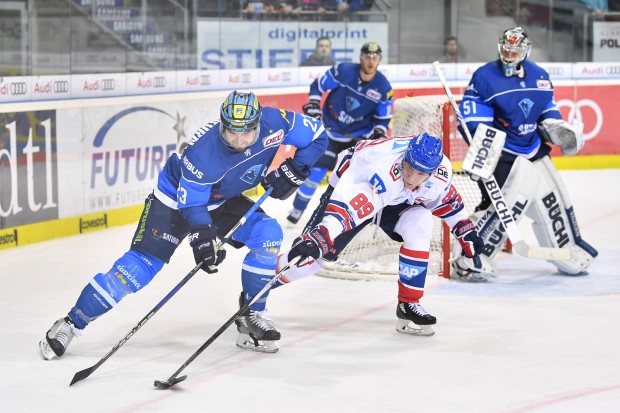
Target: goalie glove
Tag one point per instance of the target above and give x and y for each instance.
(315, 243)
(312, 109)
(465, 233)
(285, 179)
(568, 136)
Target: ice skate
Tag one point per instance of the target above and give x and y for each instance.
(294, 215)
(413, 319)
(58, 338)
(256, 332)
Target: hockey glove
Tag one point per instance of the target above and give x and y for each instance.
(377, 133)
(285, 179)
(315, 244)
(312, 109)
(471, 243)
(204, 243)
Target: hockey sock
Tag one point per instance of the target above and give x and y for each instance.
(412, 274)
(308, 188)
(258, 268)
(129, 274)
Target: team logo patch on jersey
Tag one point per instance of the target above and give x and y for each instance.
(373, 94)
(395, 172)
(351, 104)
(251, 174)
(377, 184)
(273, 139)
(543, 84)
(526, 106)
(442, 173)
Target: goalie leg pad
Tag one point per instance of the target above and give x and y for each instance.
(555, 224)
(518, 193)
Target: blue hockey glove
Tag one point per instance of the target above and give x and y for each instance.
(377, 133)
(203, 240)
(312, 109)
(471, 243)
(285, 179)
(315, 244)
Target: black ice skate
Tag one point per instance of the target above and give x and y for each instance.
(58, 338)
(256, 332)
(294, 215)
(413, 319)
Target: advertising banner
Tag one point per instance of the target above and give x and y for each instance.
(28, 168)
(606, 41)
(111, 156)
(281, 44)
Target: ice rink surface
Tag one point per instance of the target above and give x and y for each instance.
(531, 341)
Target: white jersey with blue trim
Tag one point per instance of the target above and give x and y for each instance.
(209, 172)
(511, 104)
(368, 178)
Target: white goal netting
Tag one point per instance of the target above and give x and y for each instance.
(372, 254)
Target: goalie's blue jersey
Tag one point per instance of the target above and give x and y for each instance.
(208, 172)
(353, 107)
(510, 104)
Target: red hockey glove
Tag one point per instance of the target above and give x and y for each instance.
(315, 244)
(465, 232)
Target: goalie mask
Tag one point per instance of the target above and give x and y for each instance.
(424, 153)
(513, 47)
(240, 116)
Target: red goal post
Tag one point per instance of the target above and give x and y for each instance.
(371, 254)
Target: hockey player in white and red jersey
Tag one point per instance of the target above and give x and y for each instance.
(409, 180)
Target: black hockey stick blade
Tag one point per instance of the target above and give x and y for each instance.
(81, 375)
(165, 385)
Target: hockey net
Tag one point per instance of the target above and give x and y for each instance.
(372, 254)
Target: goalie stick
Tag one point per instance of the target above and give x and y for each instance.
(83, 374)
(497, 198)
(174, 379)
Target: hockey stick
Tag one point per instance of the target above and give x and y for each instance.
(83, 374)
(497, 198)
(174, 379)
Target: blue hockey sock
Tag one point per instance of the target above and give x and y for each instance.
(308, 188)
(129, 274)
(258, 268)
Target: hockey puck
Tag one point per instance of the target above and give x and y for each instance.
(165, 385)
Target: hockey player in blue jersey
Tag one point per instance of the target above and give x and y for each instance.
(515, 95)
(358, 106)
(199, 194)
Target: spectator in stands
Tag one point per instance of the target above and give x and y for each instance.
(450, 50)
(347, 8)
(321, 55)
(596, 6)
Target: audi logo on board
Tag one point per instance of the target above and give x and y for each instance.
(159, 81)
(108, 84)
(612, 70)
(555, 71)
(18, 88)
(60, 86)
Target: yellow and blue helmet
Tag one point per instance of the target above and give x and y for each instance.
(240, 112)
